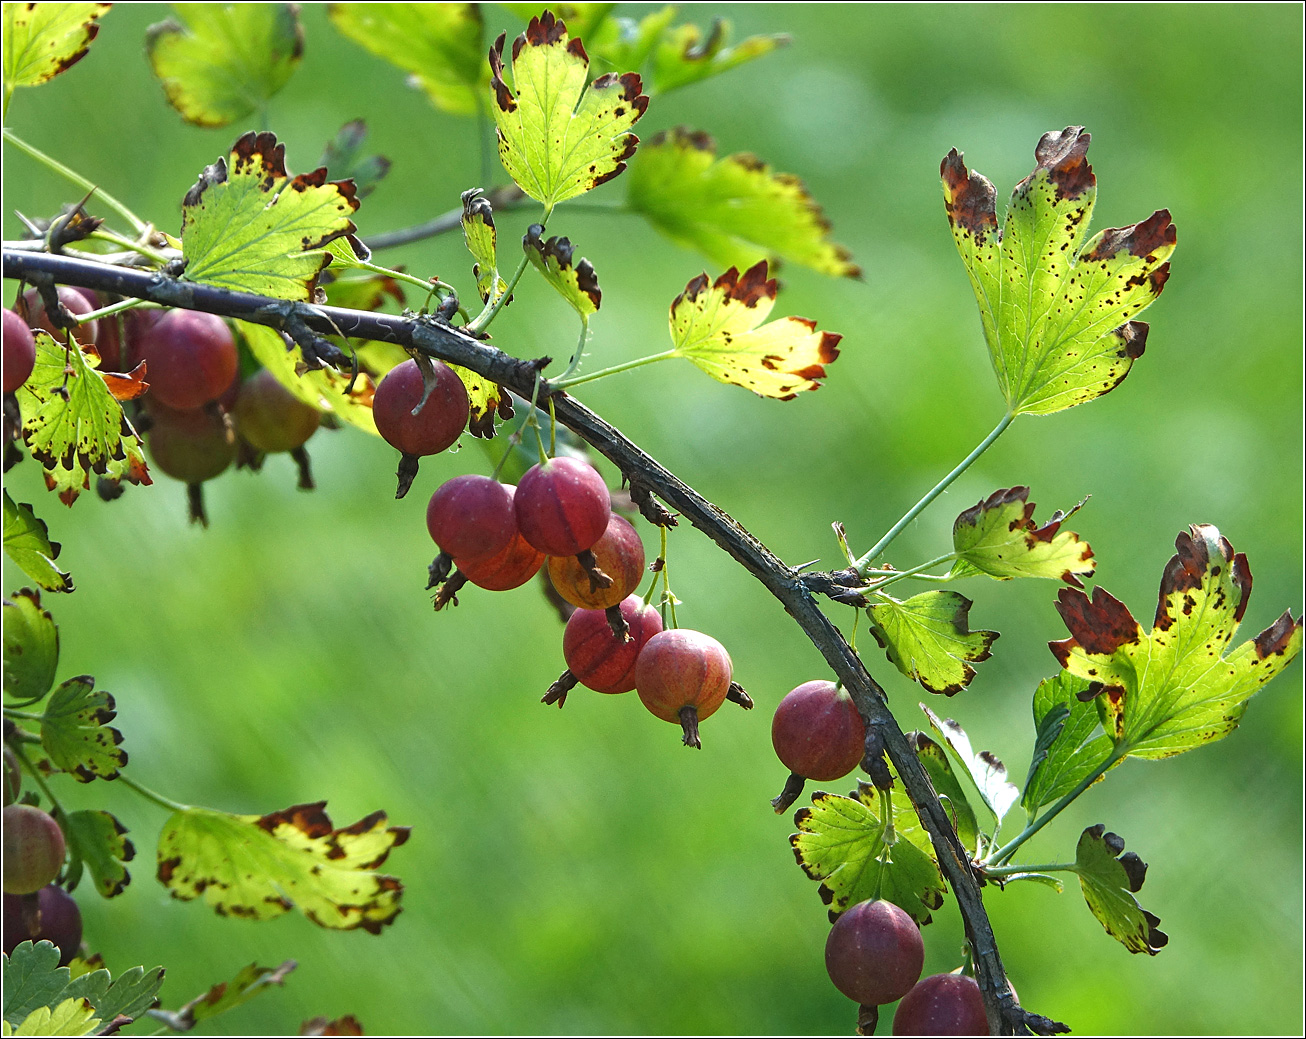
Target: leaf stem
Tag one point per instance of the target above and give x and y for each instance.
(134, 245)
(150, 795)
(898, 575)
(439, 288)
(564, 383)
(111, 309)
(1052, 867)
(580, 349)
(36, 775)
(865, 561)
(58, 167)
(491, 311)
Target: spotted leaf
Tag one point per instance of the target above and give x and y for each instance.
(1109, 880)
(573, 280)
(76, 733)
(928, 638)
(1179, 686)
(42, 40)
(99, 840)
(1056, 312)
(985, 771)
(31, 646)
(27, 543)
(481, 237)
(998, 537)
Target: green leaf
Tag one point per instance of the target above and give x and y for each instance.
(935, 761)
(1109, 880)
(247, 226)
(42, 40)
(34, 979)
(27, 543)
(31, 641)
(575, 282)
(735, 210)
(99, 840)
(998, 537)
(1046, 879)
(1176, 688)
(841, 844)
(719, 327)
(258, 868)
(1068, 746)
(928, 638)
(223, 62)
(481, 238)
(73, 425)
(440, 45)
(227, 995)
(1056, 313)
(71, 1017)
(557, 137)
(684, 56)
(75, 731)
(622, 42)
(985, 770)
(344, 160)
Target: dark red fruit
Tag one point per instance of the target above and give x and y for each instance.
(563, 506)
(190, 356)
(619, 553)
(191, 446)
(942, 1004)
(441, 420)
(269, 417)
(683, 676)
(471, 517)
(874, 953)
(599, 660)
(817, 732)
(33, 849)
(19, 351)
(510, 568)
(49, 915)
(75, 301)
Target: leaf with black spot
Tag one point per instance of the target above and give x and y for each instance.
(985, 771)
(100, 842)
(928, 638)
(482, 242)
(249, 982)
(75, 731)
(260, 867)
(1057, 311)
(998, 537)
(43, 40)
(1109, 880)
(684, 55)
(31, 647)
(1179, 686)
(573, 280)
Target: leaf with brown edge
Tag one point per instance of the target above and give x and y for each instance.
(260, 867)
(984, 770)
(928, 638)
(559, 138)
(31, 646)
(1179, 686)
(27, 543)
(126, 385)
(248, 225)
(486, 400)
(719, 327)
(1057, 312)
(227, 995)
(43, 40)
(481, 237)
(100, 841)
(1109, 880)
(573, 280)
(347, 1025)
(75, 731)
(998, 537)
(684, 55)
(734, 209)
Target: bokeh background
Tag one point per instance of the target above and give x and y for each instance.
(580, 871)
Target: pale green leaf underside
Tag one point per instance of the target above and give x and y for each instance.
(957, 805)
(983, 769)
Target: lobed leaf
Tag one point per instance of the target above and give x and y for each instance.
(246, 225)
(481, 238)
(559, 138)
(486, 399)
(31, 646)
(223, 62)
(71, 1017)
(998, 537)
(1069, 745)
(584, 18)
(1175, 688)
(344, 160)
(575, 282)
(684, 55)
(1056, 312)
(439, 45)
(28, 544)
(841, 844)
(75, 731)
(227, 995)
(717, 327)
(928, 638)
(1109, 880)
(74, 426)
(259, 867)
(935, 762)
(99, 840)
(985, 770)
(735, 209)
(42, 40)
(33, 979)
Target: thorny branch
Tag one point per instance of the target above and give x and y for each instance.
(795, 591)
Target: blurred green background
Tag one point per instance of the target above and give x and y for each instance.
(580, 871)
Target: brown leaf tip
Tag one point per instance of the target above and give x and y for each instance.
(1100, 625)
(541, 32)
(502, 95)
(684, 138)
(1142, 239)
(1275, 639)
(749, 289)
(969, 198)
(477, 206)
(1064, 155)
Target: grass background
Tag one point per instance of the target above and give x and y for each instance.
(580, 871)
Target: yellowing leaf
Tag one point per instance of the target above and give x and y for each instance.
(73, 425)
(998, 537)
(1109, 881)
(246, 225)
(223, 62)
(684, 56)
(928, 638)
(74, 1016)
(575, 282)
(42, 40)
(486, 400)
(735, 210)
(717, 327)
(1176, 688)
(558, 138)
(258, 868)
(481, 238)
(1056, 313)
(439, 44)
